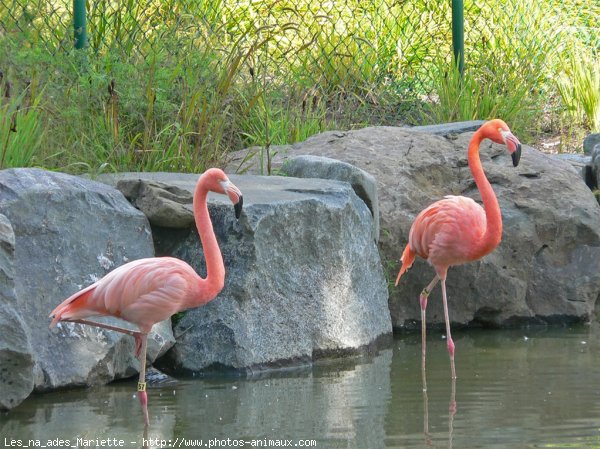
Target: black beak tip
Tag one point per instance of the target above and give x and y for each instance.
(238, 207)
(516, 156)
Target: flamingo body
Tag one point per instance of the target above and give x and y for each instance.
(433, 235)
(142, 292)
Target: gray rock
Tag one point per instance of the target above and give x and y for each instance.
(7, 255)
(581, 164)
(593, 172)
(304, 278)
(69, 232)
(590, 141)
(253, 160)
(16, 361)
(446, 129)
(162, 204)
(577, 161)
(363, 183)
(547, 267)
(156, 378)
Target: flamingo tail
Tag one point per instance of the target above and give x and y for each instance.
(74, 307)
(407, 259)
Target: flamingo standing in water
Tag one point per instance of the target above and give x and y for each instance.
(457, 230)
(147, 291)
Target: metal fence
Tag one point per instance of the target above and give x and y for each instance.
(342, 45)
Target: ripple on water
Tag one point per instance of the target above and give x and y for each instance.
(515, 389)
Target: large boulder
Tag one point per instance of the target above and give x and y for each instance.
(16, 360)
(547, 267)
(304, 277)
(69, 232)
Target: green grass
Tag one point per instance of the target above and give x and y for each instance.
(485, 94)
(579, 87)
(21, 127)
(176, 86)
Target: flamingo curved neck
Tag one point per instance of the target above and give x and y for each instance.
(215, 269)
(493, 232)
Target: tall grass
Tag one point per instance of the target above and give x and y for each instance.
(478, 96)
(21, 128)
(177, 85)
(579, 87)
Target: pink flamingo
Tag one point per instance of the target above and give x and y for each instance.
(147, 291)
(457, 230)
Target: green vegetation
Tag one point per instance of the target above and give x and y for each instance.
(579, 87)
(177, 85)
(21, 128)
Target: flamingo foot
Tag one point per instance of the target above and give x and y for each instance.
(451, 347)
(143, 397)
(451, 352)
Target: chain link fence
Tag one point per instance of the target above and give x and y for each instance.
(342, 49)
(335, 43)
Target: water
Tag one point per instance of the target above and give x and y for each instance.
(529, 388)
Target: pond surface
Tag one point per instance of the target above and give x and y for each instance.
(527, 388)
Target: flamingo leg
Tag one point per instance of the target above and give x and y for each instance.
(142, 395)
(426, 414)
(138, 344)
(135, 334)
(451, 412)
(448, 335)
(423, 301)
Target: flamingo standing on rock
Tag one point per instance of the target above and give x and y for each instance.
(456, 229)
(147, 291)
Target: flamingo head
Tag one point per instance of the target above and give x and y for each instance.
(498, 131)
(217, 181)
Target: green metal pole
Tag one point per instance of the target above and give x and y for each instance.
(458, 34)
(79, 23)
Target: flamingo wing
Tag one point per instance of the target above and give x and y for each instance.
(446, 232)
(142, 292)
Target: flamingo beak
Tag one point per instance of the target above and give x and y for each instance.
(238, 207)
(516, 156)
(235, 195)
(513, 145)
